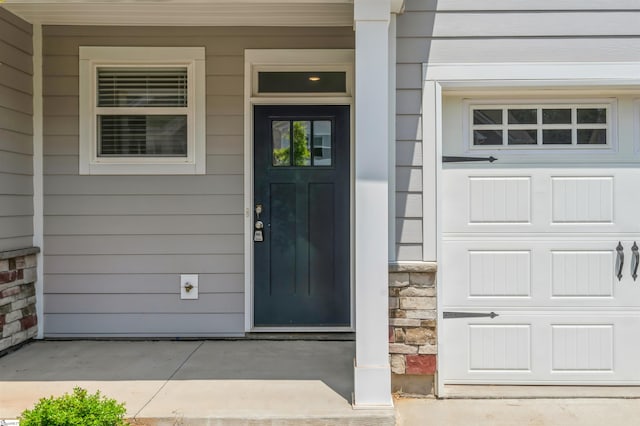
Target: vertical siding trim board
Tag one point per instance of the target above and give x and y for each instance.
(38, 173)
(392, 138)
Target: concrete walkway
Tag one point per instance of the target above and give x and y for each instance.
(518, 412)
(195, 382)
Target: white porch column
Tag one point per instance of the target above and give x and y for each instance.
(372, 372)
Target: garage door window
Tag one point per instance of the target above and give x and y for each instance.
(540, 126)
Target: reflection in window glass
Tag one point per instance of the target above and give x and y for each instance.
(592, 136)
(142, 135)
(592, 115)
(523, 137)
(301, 143)
(487, 116)
(322, 143)
(281, 143)
(523, 116)
(556, 137)
(487, 137)
(556, 116)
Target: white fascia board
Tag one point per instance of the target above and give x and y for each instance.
(185, 2)
(300, 13)
(533, 74)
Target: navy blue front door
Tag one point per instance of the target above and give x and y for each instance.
(301, 233)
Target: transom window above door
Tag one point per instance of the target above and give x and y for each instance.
(301, 143)
(540, 126)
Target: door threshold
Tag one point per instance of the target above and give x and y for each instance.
(302, 336)
(538, 391)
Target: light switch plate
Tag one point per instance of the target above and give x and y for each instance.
(185, 281)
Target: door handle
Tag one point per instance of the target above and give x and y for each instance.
(619, 260)
(635, 260)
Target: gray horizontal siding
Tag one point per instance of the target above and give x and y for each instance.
(146, 283)
(116, 245)
(145, 263)
(500, 31)
(151, 224)
(143, 303)
(150, 244)
(130, 205)
(144, 325)
(509, 5)
(16, 133)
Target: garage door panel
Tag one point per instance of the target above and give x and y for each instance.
(540, 348)
(538, 200)
(537, 273)
(582, 200)
(499, 200)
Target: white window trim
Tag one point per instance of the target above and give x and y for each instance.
(610, 104)
(191, 57)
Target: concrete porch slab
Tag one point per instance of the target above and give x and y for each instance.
(195, 382)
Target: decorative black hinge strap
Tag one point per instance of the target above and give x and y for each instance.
(446, 315)
(447, 159)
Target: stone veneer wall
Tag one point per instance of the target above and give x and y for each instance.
(18, 320)
(412, 326)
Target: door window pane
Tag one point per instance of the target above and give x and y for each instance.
(592, 137)
(523, 116)
(556, 116)
(322, 143)
(301, 143)
(487, 137)
(556, 137)
(487, 116)
(281, 145)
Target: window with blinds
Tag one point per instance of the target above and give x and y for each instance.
(153, 103)
(142, 110)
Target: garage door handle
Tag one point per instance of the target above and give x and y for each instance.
(619, 260)
(635, 260)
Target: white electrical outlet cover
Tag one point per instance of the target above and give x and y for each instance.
(189, 279)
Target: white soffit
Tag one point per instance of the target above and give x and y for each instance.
(297, 13)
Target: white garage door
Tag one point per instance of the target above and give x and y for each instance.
(550, 248)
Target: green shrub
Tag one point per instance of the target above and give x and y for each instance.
(78, 409)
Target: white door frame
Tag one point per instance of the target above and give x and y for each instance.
(290, 60)
(487, 79)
